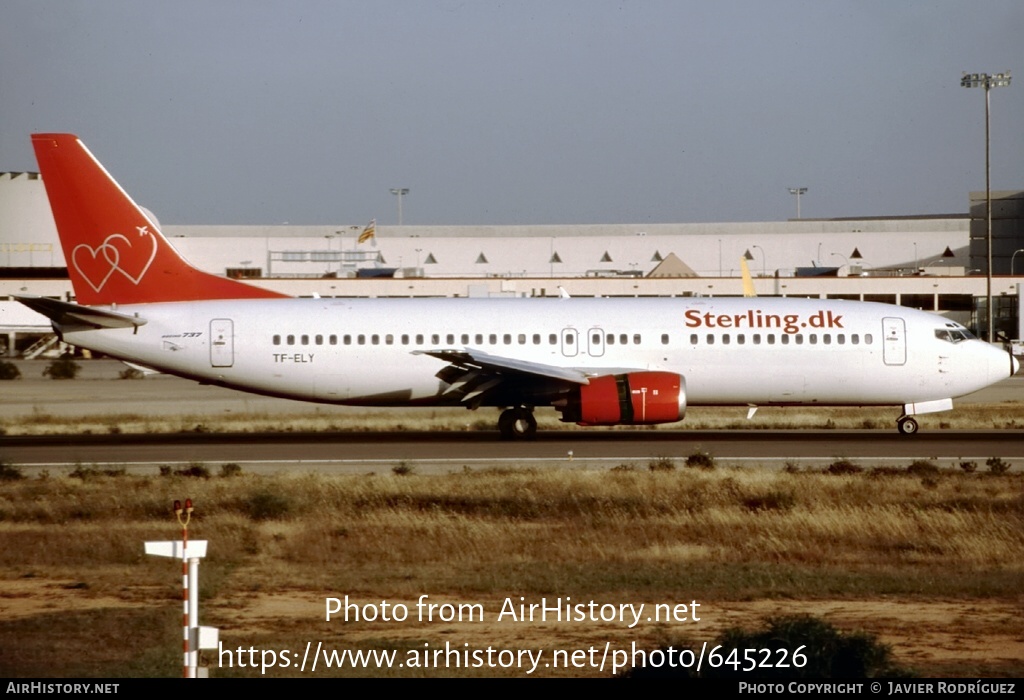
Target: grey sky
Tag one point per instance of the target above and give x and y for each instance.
(519, 112)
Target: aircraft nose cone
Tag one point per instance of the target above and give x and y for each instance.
(994, 360)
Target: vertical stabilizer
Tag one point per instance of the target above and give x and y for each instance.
(115, 253)
(748, 282)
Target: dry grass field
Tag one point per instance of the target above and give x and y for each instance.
(930, 561)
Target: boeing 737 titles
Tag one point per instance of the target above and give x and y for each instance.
(598, 361)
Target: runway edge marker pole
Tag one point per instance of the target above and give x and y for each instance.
(194, 637)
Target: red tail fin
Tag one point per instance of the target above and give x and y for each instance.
(114, 252)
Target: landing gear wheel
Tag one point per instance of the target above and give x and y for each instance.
(517, 424)
(906, 425)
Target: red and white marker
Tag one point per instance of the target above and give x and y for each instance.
(194, 637)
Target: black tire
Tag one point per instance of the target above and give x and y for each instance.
(907, 426)
(517, 424)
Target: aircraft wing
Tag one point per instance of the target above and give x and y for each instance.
(473, 374)
(72, 317)
(476, 359)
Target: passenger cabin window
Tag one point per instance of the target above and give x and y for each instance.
(277, 340)
(693, 339)
(334, 340)
(664, 338)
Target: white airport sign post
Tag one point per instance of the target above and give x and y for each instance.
(194, 636)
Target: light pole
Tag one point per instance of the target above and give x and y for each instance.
(327, 257)
(763, 260)
(1020, 250)
(984, 80)
(400, 192)
(840, 255)
(798, 191)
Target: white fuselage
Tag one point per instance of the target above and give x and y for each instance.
(757, 351)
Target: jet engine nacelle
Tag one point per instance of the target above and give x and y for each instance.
(636, 398)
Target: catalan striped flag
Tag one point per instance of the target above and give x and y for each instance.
(369, 232)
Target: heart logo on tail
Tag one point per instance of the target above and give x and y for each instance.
(115, 254)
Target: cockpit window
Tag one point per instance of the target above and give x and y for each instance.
(953, 334)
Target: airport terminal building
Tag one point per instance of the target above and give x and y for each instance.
(935, 263)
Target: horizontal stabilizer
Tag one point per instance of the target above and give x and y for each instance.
(72, 317)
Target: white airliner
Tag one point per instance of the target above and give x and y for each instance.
(597, 361)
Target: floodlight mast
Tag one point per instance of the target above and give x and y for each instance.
(400, 192)
(798, 191)
(987, 81)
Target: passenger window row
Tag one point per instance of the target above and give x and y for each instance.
(782, 339)
(453, 338)
(553, 339)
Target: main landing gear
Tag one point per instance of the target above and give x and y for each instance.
(906, 425)
(517, 423)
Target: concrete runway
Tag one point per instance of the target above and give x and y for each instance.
(442, 452)
(431, 451)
